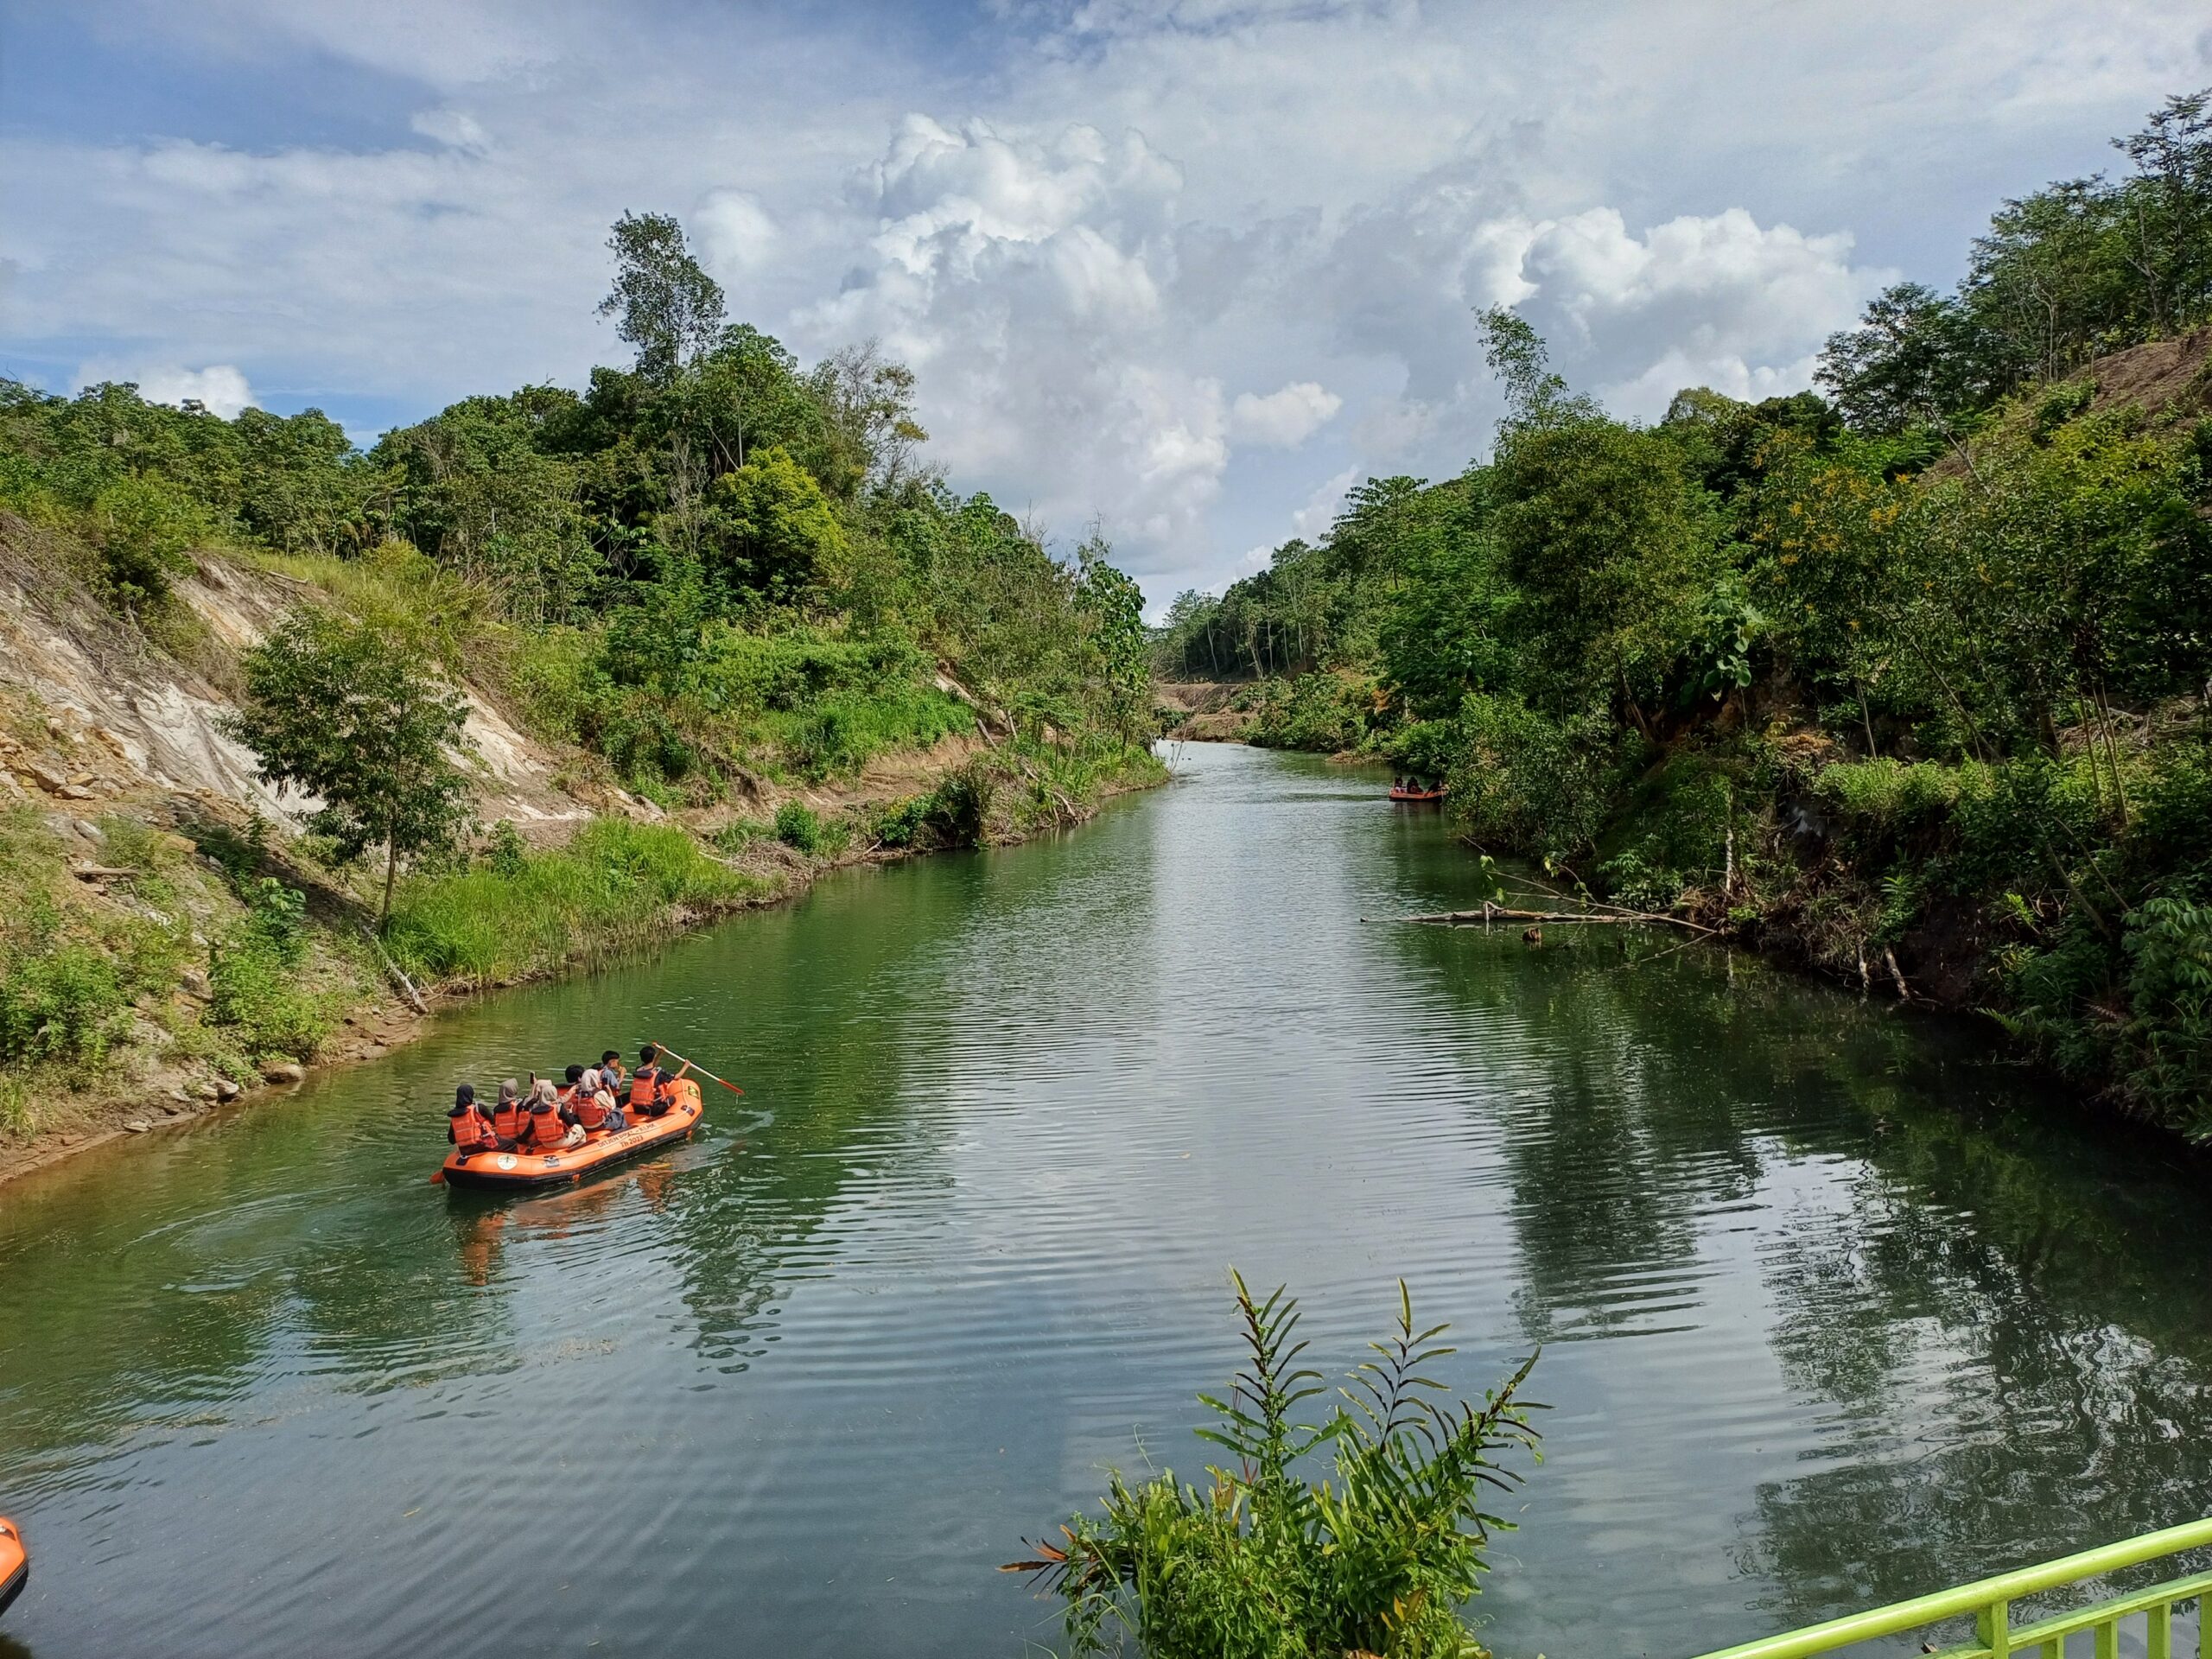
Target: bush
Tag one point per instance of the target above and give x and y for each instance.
(2168, 1040)
(798, 826)
(740, 833)
(960, 806)
(503, 852)
(1880, 802)
(901, 824)
(1325, 712)
(1270, 1564)
(145, 529)
(254, 982)
(1526, 782)
(59, 1000)
(617, 884)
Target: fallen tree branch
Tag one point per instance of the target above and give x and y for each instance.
(1497, 912)
(397, 973)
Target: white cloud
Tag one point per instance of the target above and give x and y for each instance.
(1285, 418)
(1023, 275)
(220, 386)
(455, 127)
(1310, 522)
(735, 231)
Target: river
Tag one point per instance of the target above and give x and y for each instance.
(1834, 1308)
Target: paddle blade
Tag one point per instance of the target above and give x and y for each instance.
(438, 1176)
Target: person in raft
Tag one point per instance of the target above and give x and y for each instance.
(511, 1115)
(650, 1092)
(470, 1128)
(610, 1072)
(553, 1127)
(595, 1106)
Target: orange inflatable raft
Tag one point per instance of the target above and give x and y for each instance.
(14, 1562)
(509, 1170)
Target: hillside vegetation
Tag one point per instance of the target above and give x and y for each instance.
(716, 592)
(1909, 680)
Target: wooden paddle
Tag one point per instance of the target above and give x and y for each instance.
(664, 1049)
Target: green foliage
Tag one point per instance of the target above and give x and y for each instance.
(60, 999)
(1113, 605)
(664, 303)
(1525, 781)
(1881, 803)
(616, 884)
(146, 527)
(1327, 711)
(253, 975)
(772, 529)
(2165, 1062)
(1267, 1563)
(798, 826)
(1612, 550)
(337, 708)
(2082, 267)
(503, 853)
(69, 975)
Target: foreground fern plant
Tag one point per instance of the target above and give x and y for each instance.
(1269, 1564)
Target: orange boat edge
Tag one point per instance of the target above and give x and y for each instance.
(14, 1562)
(1401, 792)
(509, 1170)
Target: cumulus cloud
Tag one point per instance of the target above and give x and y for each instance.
(1287, 418)
(1023, 275)
(220, 386)
(734, 230)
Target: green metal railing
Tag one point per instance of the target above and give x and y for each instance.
(1989, 1602)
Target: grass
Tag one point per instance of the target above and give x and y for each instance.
(618, 884)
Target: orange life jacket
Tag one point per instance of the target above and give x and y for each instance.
(546, 1129)
(469, 1130)
(643, 1092)
(591, 1110)
(507, 1117)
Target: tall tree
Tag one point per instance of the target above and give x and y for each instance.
(343, 711)
(666, 305)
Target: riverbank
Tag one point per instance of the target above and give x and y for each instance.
(270, 1010)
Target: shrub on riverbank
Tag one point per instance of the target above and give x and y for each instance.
(616, 883)
(69, 972)
(1267, 1562)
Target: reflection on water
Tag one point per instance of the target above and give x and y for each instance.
(1834, 1308)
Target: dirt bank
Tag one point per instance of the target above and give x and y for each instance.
(1205, 711)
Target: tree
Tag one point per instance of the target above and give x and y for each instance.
(1914, 357)
(340, 710)
(667, 307)
(1114, 605)
(772, 528)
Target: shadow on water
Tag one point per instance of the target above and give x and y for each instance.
(1835, 1307)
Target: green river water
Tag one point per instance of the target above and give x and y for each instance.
(1834, 1308)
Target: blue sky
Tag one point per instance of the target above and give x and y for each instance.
(1188, 270)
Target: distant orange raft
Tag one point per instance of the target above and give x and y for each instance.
(509, 1170)
(14, 1562)
(1415, 792)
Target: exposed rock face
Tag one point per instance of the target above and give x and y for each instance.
(124, 718)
